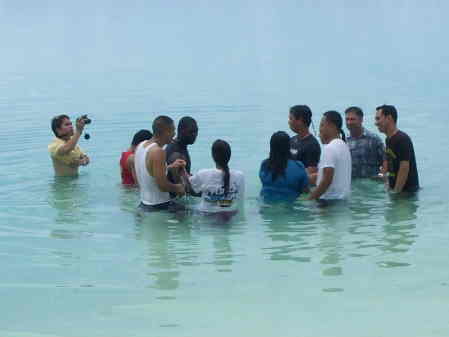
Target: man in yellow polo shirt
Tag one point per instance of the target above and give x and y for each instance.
(67, 156)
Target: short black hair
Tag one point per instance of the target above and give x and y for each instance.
(56, 123)
(140, 136)
(356, 110)
(389, 110)
(160, 124)
(302, 112)
(186, 122)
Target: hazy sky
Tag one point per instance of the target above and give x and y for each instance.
(206, 36)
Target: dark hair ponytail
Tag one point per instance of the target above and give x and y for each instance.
(221, 152)
(334, 117)
(279, 154)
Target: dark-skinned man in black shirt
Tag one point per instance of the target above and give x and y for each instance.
(401, 161)
(177, 149)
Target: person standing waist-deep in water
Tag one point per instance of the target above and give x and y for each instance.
(283, 179)
(367, 149)
(65, 153)
(402, 169)
(186, 135)
(304, 146)
(221, 188)
(178, 149)
(127, 169)
(334, 168)
(151, 168)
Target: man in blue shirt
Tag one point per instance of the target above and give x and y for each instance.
(367, 149)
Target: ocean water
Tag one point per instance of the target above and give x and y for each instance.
(76, 258)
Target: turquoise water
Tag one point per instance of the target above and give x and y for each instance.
(77, 259)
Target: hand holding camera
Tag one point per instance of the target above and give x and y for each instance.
(81, 122)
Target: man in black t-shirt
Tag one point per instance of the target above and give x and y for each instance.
(177, 149)
(304, 146)
(402, 170)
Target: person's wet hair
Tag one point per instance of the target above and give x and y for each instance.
(221, 153)
(56, 123)
(334, 117)
(279, 154)
(356, 110)
(160, 124)
(389, 110)
(140, 136)
(302, 112)
(187, 130)
(185, 123)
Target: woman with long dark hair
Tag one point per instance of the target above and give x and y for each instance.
(221, 188)
(334, 168)
(283, 179)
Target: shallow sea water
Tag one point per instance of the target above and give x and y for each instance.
(77, 259)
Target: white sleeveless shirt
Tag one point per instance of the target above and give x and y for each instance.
(150, 194)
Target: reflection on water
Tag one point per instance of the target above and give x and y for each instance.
(291, 230)
(163, 253)
(399, 228)
(371, 221)
(69, 196)
(173, 245)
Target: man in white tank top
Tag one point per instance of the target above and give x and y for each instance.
(151, 168)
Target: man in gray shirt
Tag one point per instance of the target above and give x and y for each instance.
(367, 149)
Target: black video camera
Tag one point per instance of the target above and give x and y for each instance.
(87, 120)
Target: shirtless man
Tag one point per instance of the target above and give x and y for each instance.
(151, 168)
(67, 156)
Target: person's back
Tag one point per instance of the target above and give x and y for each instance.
(287, 187)
(221, 188)
(209, 182)
(150, 194)
(283, 179)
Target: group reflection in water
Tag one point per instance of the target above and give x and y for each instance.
(174, 243)
(384, 229)
(295, 175)
(367, 225)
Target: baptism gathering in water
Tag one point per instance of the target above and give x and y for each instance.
(159, 164)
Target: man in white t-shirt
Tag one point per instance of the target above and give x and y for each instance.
(334, 168)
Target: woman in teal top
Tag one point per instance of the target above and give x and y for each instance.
(283, 179)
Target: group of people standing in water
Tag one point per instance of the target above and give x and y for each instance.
(160, 164)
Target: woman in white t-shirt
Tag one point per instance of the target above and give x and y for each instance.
(221, 188)
(334, 167)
